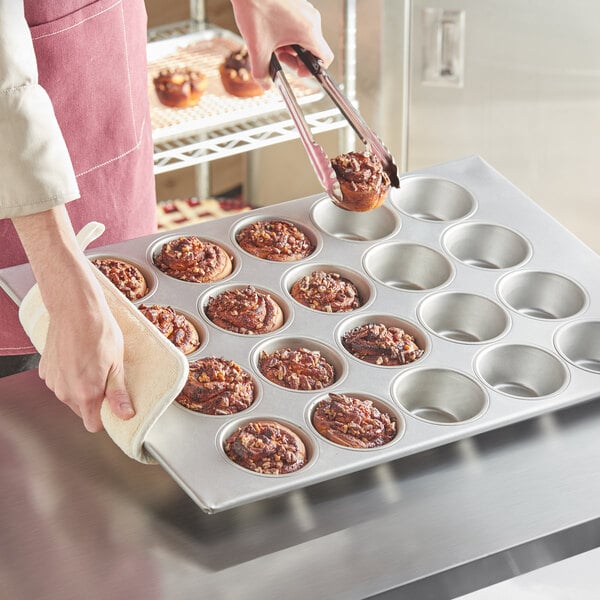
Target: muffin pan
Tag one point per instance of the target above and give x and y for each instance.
(502, 299)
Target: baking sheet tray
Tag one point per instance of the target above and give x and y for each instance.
(205, 51)
(508, 311)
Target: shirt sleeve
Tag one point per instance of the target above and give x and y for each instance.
(36, 172)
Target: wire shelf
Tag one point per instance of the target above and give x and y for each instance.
(188, 137)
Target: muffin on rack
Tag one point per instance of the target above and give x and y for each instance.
(363, 182)
(173, 325)
(128, 279)
(266, 446)
(180, 87)
(275, 240)
(297, 369)
(216, 386)
(327, 292)
(353, 422)
(245, 310)
(190, 258)
(379, 344)
(236, 75)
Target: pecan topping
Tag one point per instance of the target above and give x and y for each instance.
(216, 386)
(178, 77)
(127, 278)
(360, 171)
(238, 60)
(275, 240)
(380, 345)
(245, 310)
(266, 447)
(353, 422)
(173, 325)
(190, 258)
(327, 292)
(299, 369)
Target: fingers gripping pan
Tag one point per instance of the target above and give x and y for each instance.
(146, 351)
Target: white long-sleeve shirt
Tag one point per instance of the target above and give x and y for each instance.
(36, 172)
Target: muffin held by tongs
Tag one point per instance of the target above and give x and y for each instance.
(356, 181)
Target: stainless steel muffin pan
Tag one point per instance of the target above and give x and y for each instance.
(502, 299)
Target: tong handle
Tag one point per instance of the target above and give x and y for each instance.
(318, 159)
(313, 64)
(364, 132)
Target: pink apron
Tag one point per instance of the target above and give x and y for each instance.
(92, 62)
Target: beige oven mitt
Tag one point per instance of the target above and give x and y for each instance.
(155, 371)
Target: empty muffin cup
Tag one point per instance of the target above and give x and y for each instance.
(432, 199)
(408, 266)
(521, 371)
(441, 396)
(542, 295)
(355, 226)
(579, 343)
(486, 246)
(463, 317)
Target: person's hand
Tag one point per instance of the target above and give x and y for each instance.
(82, 361)
(269, 26)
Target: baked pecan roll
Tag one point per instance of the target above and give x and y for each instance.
(363, 182)
(381, 345)
(275, 240)
(353, 422)
(180, 87)
(245, 310)
(327, 292)
(216, 386)
(126, 277)
(173, 325)
(190, 258)
(266, 447)
(297, 369)
(236, 75)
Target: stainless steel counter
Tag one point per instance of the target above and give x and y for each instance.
(78, 519)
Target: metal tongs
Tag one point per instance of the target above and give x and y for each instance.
(319, 160)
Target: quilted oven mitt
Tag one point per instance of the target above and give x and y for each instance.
(155, 371)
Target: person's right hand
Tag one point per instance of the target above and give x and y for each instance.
(82, 361)
(269, 26)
